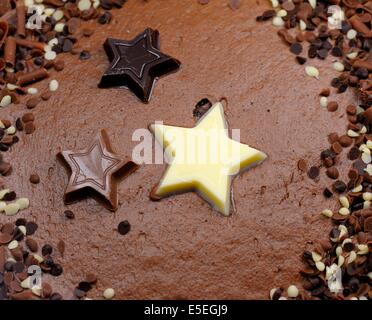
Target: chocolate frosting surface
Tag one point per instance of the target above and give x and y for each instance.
(178, 247)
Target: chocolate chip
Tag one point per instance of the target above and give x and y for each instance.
(56, 270)
(353, 153)
(69, 214)
(301, 60)
(327, 193)
(20, 222)
(84, 286)
(351, 109)
(296, 48)
(202, 107)
(332, 106)
(34, 178)
(32, 244)
(349, 246)
(339, 186)
(10, 196)
(32, 103)
(46, 250)
(336, 147)
(302, 165)
(31, 228)
(29, 127)
(345, 141)
(333, 137)
(353, 174)
(105, 18)
(124, 227)
(332, 173)
(84, 55)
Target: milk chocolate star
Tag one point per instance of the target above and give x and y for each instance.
(95, 172)
(136, 64)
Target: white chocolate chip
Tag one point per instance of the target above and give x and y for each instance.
(366, 158)
(303, 25)
(320, 266)
(338, 66)
(340, 261)
(351, 34)
(366, 204)
(26, 284)
(84, 5)
(358, 188)
(23, 229)
(316, 257)
(109, 293)
(327, 213)
(51, 43)
(312, 72)
(352, 55)
(281, 13)
(292, 291)
(32, 91)
(2, 205)
(338, 251)
(49, 12)
(6, 101)
(367, 196)
(344, 211)
(11, 86)
(368, 169)
(352, 257)
(352, 133)
(53, 85)
(11, 130)
(50, 55)
(313, 3)
(36, 290)
(343, 231)
(278, 21)
(23, 203)
(274, 3)
(11, 209)
(363, 130)
(38, 258)
(12, 245)
(344, 201)
(323, 102)
(59, 27)
(58, 15)
(363, 249)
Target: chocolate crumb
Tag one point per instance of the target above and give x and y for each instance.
(313, 172)
(34, 178)
(124, 227)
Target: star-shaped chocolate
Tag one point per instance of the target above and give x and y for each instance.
(95, 171)
(136, 64)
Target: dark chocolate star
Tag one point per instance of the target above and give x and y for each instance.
(136, 64)
(96, 169)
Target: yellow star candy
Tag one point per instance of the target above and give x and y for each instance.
(203, 159)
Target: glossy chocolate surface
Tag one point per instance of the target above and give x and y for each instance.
(137, 64)
(95, 169)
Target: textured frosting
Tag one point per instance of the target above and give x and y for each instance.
(178, 247)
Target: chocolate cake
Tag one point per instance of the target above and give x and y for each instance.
(78, 78)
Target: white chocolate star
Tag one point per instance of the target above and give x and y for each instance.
(203, 159)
